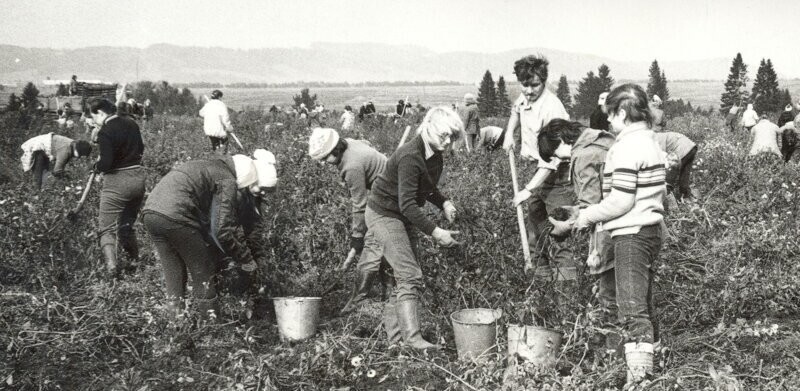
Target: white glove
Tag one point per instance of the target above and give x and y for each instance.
(581, 221)
(444, 237)
(521, 196)
(593, 260)
(449, 211)
(561, 228)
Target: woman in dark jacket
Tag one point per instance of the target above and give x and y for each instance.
(192, 216)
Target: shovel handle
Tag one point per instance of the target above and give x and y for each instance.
(85, 193)
(405, 135)
(523, 233)
(239, 143)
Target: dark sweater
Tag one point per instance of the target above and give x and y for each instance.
(786, 116)
(120, 144)
(598, 119)
(407, 182)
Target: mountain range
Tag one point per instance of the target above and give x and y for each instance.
(328, 62)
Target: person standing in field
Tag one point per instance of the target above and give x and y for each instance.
(39, 151)
(120, 144)
(348, 118)
(787, 115)
(73, 85)
(193, 215)
(765, 136)
(491, 137)
(731, 118)
(749, 117)
(632, 212)
(599, 119)
(684, 149)
(471, 119)
(359, 166)
(394, 214)
(549, 187)
(788, 140)
(659, 119)
(216, 121)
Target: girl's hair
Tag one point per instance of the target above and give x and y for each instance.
(554, 133)
(440, 118)
(102, 104)
(348, 108)
(338, 150)
(528, 66)
(216, 94)
(633, 99)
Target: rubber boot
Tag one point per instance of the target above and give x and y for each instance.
(390, 322)
(208, 309)
(360, 291)
(409, 324)
(110, 256)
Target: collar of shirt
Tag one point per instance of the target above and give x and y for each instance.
(109, 119)
(634, 127)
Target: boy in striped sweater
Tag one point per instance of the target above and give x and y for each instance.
(632, 211)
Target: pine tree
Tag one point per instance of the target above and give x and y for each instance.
(487, 96)
(664, 88)
(30, 95)
(766, 96)
(604, 80)
(735, 86)
(589, 90)
(563, 93)
(13, 103)
(786, 98)
(305, 97)
(503, 103)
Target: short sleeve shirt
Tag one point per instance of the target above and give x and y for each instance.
(533, 116)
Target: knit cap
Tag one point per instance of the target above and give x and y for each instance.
(246, 174)
(265, 167)
(322, 142)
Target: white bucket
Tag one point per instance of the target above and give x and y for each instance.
(297, 317)
(538, 345)
(639, 357)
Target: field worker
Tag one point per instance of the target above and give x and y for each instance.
(193, 215)
(120, 144)
(73, 85)
(586, 149)
(471, 119)
(549, 187)
(362, 111)
(749, 117)
(491, 137)
(788, 140)
(394, 214)
(787, 115)
(765, 136)
(216, 121)
(684, 149)
(359, 165)
(147, 111)
(400, 109)
(733, 114)
(348, 118)
(659, 119)
(302, 111)
(599, 119)
(632, 212)
(39, 151)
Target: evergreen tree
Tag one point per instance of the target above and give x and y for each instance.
(305, 97)
(657, 82)
(13, 103)
(503, 103)
(29, 95)
(735, 86)
(766, 96)
(589, 90)
(785, 98)
(487, 96)
(604, 80)
(664, 88)
(563, 93)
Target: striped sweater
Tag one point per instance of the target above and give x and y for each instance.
(633, 183)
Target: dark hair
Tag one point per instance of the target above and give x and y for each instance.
(348, 108)
(554, 133)
(633, 99)
(529, 66)
(216, 94)
(74, 76)
(338, 150)
(83, 147)
(97, 104)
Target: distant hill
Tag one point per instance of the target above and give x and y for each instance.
(330, 62)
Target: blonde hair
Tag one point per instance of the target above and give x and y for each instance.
(442, 118)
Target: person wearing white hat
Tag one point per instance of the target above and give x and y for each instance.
(359, 165)
(659, 119)
(193, 215)
(599, 118)
(471, 118)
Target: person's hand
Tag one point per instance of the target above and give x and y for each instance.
(521, 196)
(561, 228)
(449, 211)
(444, 237)
(357, 243)
(581, 222)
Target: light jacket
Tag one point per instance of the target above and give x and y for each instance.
(470, 118)
(216, 121)
(359, 167)
(765, 138)
(750, 117)
(532, 117)
(57, 148)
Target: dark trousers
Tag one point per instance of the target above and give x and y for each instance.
(120, 201)
(180, 249)
(554, 193)
(216, 142)
(679, 180)
(41, 164)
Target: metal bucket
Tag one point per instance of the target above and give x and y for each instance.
(536, 344)
(297, 317)
(475, 331)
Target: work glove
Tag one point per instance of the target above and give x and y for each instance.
(581, 222)
(521, 197)
(561, 228)
(357, 243)
(444, 237)
(449, 211)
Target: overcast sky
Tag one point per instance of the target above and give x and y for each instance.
(624, 30)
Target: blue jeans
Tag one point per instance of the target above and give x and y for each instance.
(398, 243)
(627, 289)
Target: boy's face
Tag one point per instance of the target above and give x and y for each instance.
(563, 152)
(532, 88)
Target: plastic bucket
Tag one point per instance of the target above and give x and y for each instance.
(475, 331)
(297, 317)
(639, 357)
(536, 344)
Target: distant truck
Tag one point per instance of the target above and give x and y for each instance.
(86, 91)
